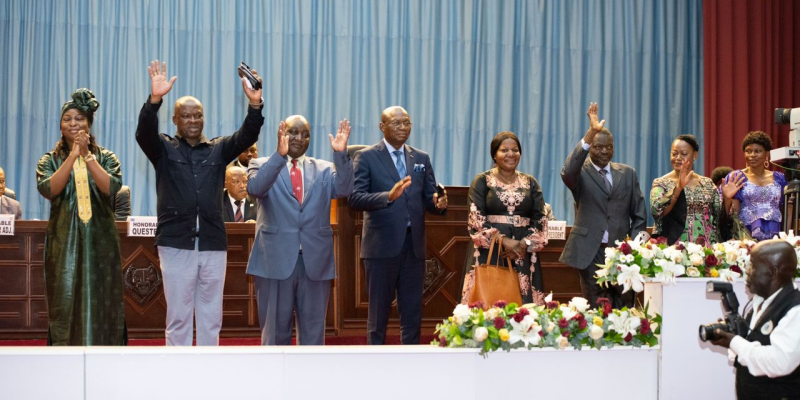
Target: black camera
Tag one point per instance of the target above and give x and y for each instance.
(732, 322)
(245, 72)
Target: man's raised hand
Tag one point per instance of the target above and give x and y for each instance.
(595, 126)
(253, 95)
(339, 143)
(159, 85)
(283, 140)
(399, 188)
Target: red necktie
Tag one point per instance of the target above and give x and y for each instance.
(238, 216)
(297, 181)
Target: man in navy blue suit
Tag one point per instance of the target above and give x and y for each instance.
(394, 184)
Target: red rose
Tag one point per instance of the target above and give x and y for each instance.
(518, 317)
(582, 324)
(606, 308)
(552, 304)
(625, 248)
(442, 341)
(578, 317)
(563, 323)
(645, 327)
(477, 304)
(680, 246)
(523, 311)
(565, 334)
(601, 300)
(711, 260)
(628, 338)
(500, 303)
(735, 268)
(499, 322)
(701, 241)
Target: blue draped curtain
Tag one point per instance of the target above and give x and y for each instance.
(464, 70)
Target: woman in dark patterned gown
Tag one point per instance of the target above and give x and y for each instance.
(506, 202)
(82, 266)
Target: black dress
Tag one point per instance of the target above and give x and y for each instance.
(514, 210)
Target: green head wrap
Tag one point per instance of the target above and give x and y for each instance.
(82, 99)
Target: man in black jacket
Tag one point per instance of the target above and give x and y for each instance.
(767, 359)
(191, 238)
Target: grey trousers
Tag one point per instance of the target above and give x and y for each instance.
(193, 282)
(279, 301)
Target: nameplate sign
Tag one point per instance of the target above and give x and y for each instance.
(6, 224)
(557, 230)
(142, 226)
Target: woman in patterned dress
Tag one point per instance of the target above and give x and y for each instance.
(82, 265)
(756, 193)
(506, 202)
(685, 205)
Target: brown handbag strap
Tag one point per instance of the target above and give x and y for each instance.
(499, 240)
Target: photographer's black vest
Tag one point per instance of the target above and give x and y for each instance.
(763, 387)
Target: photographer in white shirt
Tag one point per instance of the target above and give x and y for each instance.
(767, 359)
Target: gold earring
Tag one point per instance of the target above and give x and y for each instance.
(766, 164)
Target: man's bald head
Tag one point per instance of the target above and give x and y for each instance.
(395, 125)
(185, 100)
(188, 118)
(299, 131)
(774, 263)
(236, 182)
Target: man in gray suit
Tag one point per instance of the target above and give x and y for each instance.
(7, 204)
(608, 207)
(292, 259)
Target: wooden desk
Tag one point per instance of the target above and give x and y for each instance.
(23, 312)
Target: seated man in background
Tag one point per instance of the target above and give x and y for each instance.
(767, 360)
(244, 159)
(121, 203)
(7, 204)
(237, 206)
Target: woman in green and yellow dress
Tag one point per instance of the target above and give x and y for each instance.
(82, 267)
(686, 206)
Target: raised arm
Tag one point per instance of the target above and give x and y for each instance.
(248, 133)
(570, 173)
(262, 177)
(343, 175)
(147, 128)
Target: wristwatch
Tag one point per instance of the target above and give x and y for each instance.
(527, 242)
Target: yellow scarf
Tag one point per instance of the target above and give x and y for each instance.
(82, 190)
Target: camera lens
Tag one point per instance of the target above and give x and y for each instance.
(782, 115)
(709, 331)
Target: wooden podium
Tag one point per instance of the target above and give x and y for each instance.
(23, 312)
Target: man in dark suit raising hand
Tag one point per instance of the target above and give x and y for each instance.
(608, 207)
(394, 184)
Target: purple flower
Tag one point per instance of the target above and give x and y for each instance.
(523, 311)
(645, 326)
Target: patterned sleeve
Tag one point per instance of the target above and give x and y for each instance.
(781, 179)
(480, 230)
(660, 197)
(537, 232)
(111, 165)
(740, 194)
(44, 171)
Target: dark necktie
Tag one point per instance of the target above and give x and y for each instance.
(605, 179)
(400, 165)
(238, 217)
(297, 181)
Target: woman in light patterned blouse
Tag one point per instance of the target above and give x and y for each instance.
(684, 204)
(756, 193)
(507, 202)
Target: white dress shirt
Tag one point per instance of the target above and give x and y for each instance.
(607, 168)
(394, 157)
(782, 356)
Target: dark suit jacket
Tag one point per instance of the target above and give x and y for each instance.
(384, 222)
(621, 212)
(121, 203)
(249, 212)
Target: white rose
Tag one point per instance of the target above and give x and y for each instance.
(461, 314)
(646, 253)
(692, 272)
(579, 303)
(595, 332)
(696, 259)
(562, 342)
(491, 313)
(731, 257)
(481, 333)
(610, 252)
(694, 248)
(550, 327)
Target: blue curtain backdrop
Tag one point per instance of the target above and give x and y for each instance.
(464, 70)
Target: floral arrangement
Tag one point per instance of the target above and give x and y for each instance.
(509, 326)
(632, 260)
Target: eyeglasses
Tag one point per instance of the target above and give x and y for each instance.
(398, 124)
